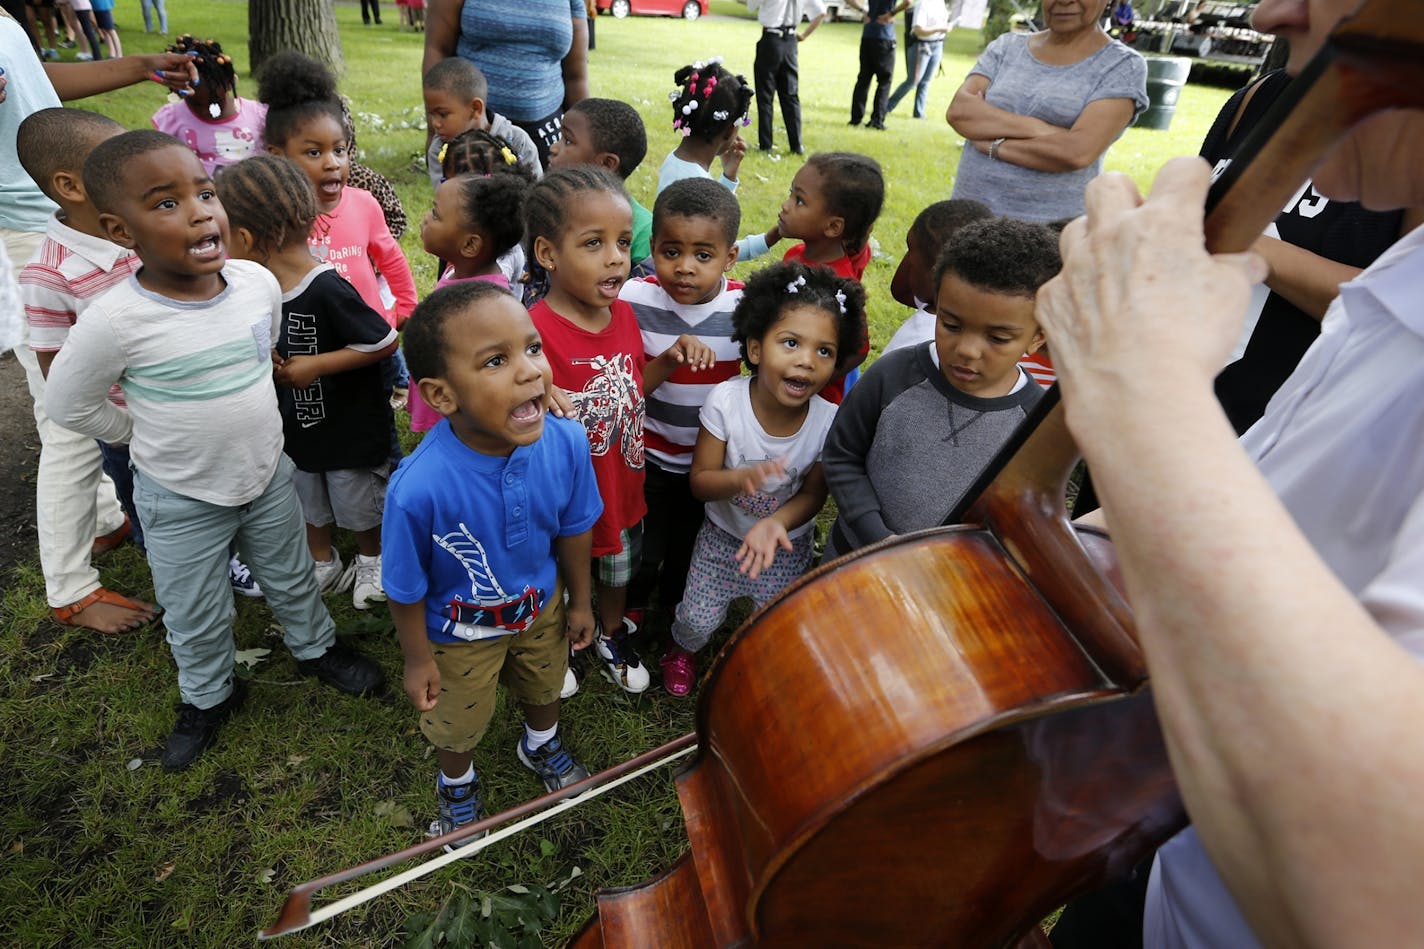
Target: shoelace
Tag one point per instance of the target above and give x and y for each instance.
(554, 756)
(239, 572)
(368, 573)
(621, 653)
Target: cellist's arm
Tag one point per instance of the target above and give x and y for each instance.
(1291, 715)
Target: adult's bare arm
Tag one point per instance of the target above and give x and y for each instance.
(1291, 717)
(442, 36)
(978, 121)
(80, 80)
(1097, 127)
(575, 65)
(1309, 281)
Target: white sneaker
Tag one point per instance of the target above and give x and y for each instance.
(366, 586)
(620, 663)
(332, 576)
(571, 686)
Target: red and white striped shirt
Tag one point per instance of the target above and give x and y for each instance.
(69, 271)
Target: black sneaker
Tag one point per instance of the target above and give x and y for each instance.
(344, 668)
(460, 806)
(196, 728)
(555, 766)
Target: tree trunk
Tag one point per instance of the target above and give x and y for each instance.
(308, 26)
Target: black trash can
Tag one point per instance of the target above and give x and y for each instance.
(1166, 75)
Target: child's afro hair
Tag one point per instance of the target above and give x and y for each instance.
(271, 197)
(54, 140)
(477, 152)
(853, 189)
(708, 100)
(494, 205)
(699, 197)
(549, 203)
(296, 89)
(425, 342)
(1001, 255)
(617, 128)
(105, 170)
(768, 292)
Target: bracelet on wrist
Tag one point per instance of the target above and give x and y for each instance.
(994, 148)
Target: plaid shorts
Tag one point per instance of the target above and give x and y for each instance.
(618, 570)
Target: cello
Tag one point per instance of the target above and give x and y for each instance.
(990, 750)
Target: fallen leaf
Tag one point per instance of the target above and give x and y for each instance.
(251, 657)
(42, 676)
(18, 847)
(295, 760)
(134, 764)
(165, 871)
(397, 814)
(267, 875)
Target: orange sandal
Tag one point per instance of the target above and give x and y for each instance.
(64, 615)
(112, 540)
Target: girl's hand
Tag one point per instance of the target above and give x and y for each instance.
(580, 626)
(755, 477)
(759, 547)
(559, 403)
(732, 154)
(690, 351)
(298, 372)
(422, 683)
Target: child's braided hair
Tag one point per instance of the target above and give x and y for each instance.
(477, 152)
(269, 196)
(708, 100)
(215, 69)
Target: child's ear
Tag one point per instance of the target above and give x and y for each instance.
(609, 162)
(116, 230)
(242, 243)
(477, 110)
(1036, 343)
(69, 185)
(835, 228)
(275, 150)
(472, 245)
(754, 352)
(731, 260)
(544, 252)
(434, 391)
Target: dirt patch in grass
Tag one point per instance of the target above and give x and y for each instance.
(228, 790)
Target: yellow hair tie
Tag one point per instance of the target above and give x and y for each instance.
(509, 158)
(445, 147)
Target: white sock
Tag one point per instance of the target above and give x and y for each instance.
(465, 778)
(534, 740)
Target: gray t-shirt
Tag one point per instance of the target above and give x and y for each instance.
(1056, 94)
(906, 445)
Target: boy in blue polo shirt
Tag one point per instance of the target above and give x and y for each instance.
(487, 524)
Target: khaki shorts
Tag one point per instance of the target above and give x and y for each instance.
(531, 665)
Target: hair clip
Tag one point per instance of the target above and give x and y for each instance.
(841, 298)
(673, 96)
(215, 110)
(747, 119)
(444, 149)
(686, 131)
(721, 116)
(509, 158)
(692, 80)
(677, 123)
(715, 61)
(699, 65)
(796, 285)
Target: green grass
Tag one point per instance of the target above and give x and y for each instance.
(305, 781)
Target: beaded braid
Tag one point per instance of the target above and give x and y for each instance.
(477, 152)
(215, 69)
(271, 197)
(708, 100)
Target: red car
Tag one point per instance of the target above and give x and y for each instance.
(687, 9)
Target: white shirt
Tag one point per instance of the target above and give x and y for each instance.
(202, 416)
(774, 14)
(1342, 444)
(728, 416)
(931, 16)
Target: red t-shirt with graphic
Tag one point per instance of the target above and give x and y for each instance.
(603, 373)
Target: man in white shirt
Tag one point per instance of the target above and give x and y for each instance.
(775, 69)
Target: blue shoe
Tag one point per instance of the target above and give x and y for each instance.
(241, 579)
(460, 806)
(555, 766)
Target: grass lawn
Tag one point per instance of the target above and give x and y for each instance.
(102, 848)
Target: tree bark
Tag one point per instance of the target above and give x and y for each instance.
(308, 26)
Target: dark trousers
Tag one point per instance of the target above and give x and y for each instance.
(669, 532)
(116, 466)
(370, 9)
(774, 73)
(877, 61)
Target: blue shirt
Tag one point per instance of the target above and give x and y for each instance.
(879, 31)
(472, 535)
(520, 46)
(23, 207)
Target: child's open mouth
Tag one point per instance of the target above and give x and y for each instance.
(207, 248)
(528, 413)
(609, 287)
(797, 388)
(330, 188)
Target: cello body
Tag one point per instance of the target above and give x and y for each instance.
(934, 741)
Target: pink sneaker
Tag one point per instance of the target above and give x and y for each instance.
(679, 670)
